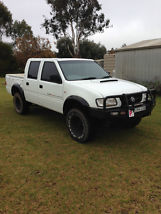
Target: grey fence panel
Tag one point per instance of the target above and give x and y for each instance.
(139, 65)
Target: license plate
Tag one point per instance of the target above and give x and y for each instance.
(141, 108)
(131, 113)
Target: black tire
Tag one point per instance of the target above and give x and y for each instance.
(78, 125)
(20, 104)
(131, 122)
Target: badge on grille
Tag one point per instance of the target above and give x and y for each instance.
(132, 99)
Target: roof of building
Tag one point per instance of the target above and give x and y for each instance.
(146, 44)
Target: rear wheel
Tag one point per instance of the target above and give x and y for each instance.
(20, 104)
(78, 125)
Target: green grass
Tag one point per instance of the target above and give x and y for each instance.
(43, 171)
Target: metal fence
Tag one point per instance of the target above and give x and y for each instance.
(139, 65)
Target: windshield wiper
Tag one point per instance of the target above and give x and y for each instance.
(89, 78)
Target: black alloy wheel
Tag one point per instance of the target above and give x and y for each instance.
(78, 125)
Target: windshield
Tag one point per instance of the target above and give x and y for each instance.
(82, 70)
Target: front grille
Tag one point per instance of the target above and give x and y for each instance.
(134, 98)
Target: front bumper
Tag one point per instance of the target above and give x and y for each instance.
(124, 111)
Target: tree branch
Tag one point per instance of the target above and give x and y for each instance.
(70, 51)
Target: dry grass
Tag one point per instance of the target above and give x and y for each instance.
(43, 171)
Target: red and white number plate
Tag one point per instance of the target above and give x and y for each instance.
(137, 109)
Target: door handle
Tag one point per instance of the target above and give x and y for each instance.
(27, 83)
(40, 86)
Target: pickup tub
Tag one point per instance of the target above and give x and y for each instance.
(12, 79)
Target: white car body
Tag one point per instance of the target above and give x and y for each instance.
(54, 95)
(81, 90)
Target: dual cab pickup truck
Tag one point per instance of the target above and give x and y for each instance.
(80, 90)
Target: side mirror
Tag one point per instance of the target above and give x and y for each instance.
(56, 79)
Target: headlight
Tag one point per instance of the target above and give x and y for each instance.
(109, 102)
(99, 102)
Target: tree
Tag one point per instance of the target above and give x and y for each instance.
(76, 19)
(29, 46)
(65, 48)
(112, 51)
(19, 29)
(123, 45)
(92, 50)
(5, 20)
(88, 49)
(7, 60)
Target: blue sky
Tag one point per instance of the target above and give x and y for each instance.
(132, 21)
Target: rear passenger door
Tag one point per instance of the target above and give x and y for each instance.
(31, 82)
(51, 87)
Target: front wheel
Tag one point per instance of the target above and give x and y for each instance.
(78, 125)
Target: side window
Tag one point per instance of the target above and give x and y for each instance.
(33, 70)
(50, 73)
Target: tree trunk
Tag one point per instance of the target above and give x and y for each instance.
(76, 48)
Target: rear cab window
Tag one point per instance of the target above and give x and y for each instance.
(33, 70)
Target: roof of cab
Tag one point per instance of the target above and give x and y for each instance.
(60, 59)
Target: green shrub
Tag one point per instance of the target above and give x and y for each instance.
(7, 60)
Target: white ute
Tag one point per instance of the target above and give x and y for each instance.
(81, 90)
